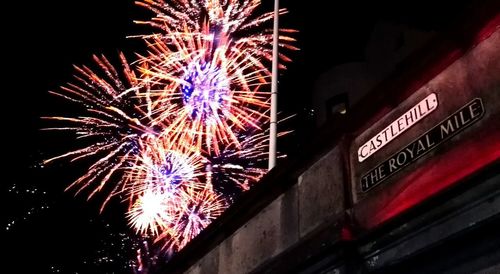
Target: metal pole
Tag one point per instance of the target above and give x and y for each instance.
(274, 90)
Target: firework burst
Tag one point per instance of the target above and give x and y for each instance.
(161, 167)
(196, 211)
(160, 172)
(215, 93)
(173, 133)
(210, 68)
(149, 213)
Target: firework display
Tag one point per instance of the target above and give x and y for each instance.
(180, 132)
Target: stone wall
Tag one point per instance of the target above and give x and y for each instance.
(317, 197)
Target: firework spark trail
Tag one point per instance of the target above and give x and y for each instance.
(114, 123)
(232, 18)
(243, 166)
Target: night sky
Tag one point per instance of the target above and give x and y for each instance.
(48, 230)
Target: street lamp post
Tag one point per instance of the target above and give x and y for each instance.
(274, 90)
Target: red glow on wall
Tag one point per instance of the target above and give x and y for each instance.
(441, 173)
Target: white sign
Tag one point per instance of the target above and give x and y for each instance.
(400, 125)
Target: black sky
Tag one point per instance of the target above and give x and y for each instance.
(43, 39)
